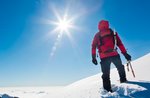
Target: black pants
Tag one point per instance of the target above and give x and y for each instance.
(105, 67)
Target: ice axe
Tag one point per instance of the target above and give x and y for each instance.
(129, 64)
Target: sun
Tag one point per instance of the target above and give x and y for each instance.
(63, 25)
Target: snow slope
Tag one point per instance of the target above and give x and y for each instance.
(91, 87)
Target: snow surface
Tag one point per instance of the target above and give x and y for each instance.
(91, 87)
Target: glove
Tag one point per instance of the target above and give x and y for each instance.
(94, 59)
(127, 56)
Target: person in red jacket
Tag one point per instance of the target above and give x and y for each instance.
(106, 41)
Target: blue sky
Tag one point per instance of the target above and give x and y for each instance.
(26, 41)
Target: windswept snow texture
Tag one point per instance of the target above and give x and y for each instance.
(91, 87)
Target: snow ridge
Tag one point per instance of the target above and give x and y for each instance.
(91, 87)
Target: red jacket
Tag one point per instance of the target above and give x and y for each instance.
(107, 43)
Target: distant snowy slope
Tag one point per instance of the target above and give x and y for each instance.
(30, 92)
(91, 87)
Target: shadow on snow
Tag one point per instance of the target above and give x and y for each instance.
(141, 94)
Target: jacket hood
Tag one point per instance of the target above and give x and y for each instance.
(103, 24)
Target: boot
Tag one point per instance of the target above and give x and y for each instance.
(123, 80)
(107, 85)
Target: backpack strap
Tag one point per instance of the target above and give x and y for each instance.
(114, 38)
(100, 39)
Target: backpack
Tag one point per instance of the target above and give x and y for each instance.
(108, 34)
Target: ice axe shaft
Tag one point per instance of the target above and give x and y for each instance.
(129, 64)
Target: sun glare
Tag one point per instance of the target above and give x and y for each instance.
(64, 25)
